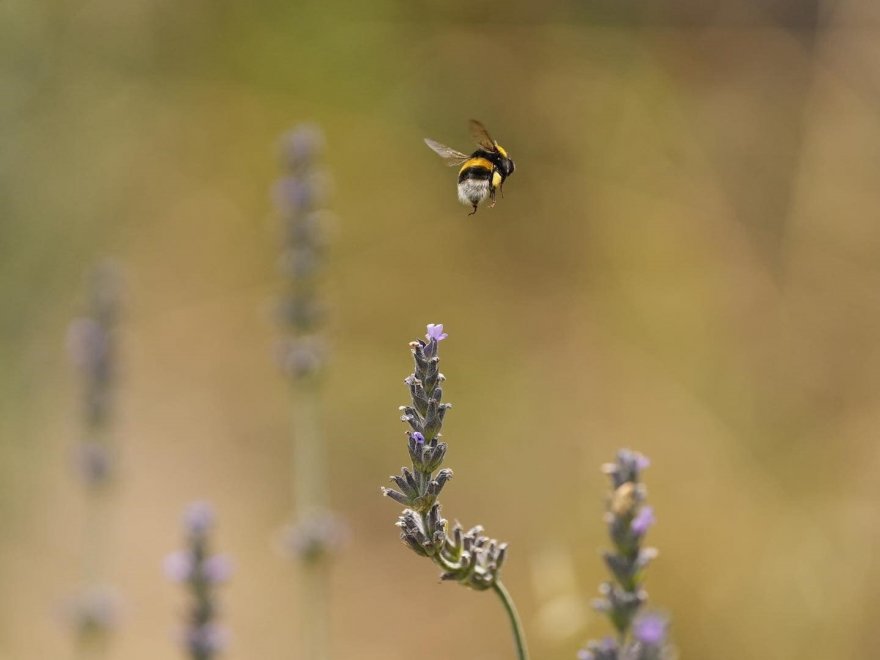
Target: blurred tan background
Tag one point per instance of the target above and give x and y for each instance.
(686, 262)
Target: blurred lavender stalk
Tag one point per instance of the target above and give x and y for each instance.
(641, 635)
(314, 532)
(469, 558)
(203, 638)
(91, 342)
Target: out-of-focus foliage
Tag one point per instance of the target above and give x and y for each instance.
(685, 262)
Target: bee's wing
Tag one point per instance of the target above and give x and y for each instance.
(450, 155)
(481, 135)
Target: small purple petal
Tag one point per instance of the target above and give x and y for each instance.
(178, 566)
(642, 462)
(643, 520)
(435, 332)
(418, 437)
(650, 629)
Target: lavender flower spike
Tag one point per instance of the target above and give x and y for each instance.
(92, 345)
(467, 557)
(201, 572)
(315, 533)
(640, 635)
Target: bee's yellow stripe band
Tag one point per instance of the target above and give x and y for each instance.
(476, 162)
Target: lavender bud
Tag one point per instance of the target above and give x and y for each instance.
(643, 520)
(400, 498)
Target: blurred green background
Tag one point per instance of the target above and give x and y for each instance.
(686, 262)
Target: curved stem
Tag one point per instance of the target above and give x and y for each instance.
(519, 636)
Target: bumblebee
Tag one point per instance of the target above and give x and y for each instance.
(483, 172)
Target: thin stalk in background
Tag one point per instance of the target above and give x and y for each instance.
(640, 634)
(467, 557)
(92, 345)
(314, 532)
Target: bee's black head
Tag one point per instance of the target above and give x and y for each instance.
(508, 166)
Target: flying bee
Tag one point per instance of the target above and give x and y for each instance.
(483, 172)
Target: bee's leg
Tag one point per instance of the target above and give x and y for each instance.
(492, 197)
(501, 188)
(474, 211)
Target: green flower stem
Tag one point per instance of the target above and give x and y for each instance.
(309, 488)
(519, 636)
(309, 492)
(94, 644)
(314, 608)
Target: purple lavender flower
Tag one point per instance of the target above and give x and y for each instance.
(435, 332)
(643, 521)
(314, 533)
(299, 197)
(201, 571)
(91, 344)
(642, 636)
(468, 557)
(650, 629)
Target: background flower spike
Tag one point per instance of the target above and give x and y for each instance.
(640, 634)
